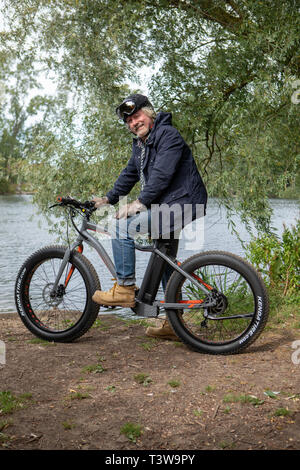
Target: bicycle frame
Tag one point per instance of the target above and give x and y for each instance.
(55, 287)
(145, 300)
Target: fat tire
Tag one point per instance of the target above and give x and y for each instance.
(258, 288)
(91, 282)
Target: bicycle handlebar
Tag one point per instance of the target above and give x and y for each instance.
(68, 201)
(88, 207)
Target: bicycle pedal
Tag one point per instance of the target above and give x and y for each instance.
(106, 308)
(146, 310)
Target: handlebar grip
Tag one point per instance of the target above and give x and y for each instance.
(73, 202)
(89, 205)
(69, 201)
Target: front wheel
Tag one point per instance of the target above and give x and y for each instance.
(67, 313)
(240, 297)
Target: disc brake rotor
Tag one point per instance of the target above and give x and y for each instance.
(53, 299)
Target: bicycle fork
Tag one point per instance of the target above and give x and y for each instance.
(66, 259)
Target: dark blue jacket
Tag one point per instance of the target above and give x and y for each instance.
(170, 172)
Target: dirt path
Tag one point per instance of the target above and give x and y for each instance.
(83, 395)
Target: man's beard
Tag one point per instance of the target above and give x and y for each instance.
(142, 131)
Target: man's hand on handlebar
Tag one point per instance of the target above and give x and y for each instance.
(125, 211)
(100, 201)
(130, 209)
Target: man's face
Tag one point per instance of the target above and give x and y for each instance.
(139, 123)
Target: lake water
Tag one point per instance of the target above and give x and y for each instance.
(22, 232)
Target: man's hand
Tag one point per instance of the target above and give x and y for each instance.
(100, 201)
(130, 209)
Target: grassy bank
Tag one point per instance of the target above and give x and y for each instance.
(284, 311)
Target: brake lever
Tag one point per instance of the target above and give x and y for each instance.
(55, 205)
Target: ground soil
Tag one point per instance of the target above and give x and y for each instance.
(80, 395)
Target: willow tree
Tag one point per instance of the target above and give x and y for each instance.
(24, 108)
(225, 69)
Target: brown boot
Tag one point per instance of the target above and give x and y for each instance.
(163, 332)
(121, 296)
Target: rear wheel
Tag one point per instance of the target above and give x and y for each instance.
(67, 313)
(241, 303)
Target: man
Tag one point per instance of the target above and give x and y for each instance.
(164, 164)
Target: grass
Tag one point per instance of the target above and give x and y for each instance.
(174, 383)
(227, 410)
(99, 324)
(177, 344)
(283, 310)
(96, 368)
(4, 424)
(143, 379)
(132, 431)
(226, 445)
(135, 321)
(76, 395)
(210, 388)
(149, 345)
(81, 393)
(43, 342)
(231, 398)
(271, 394)
(3, 438)
(67, 425)
(10, 403)
(283, 412)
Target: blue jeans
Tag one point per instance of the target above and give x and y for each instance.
(124, 250)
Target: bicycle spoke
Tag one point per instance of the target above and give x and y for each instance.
(58, 312)
(236, 301)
